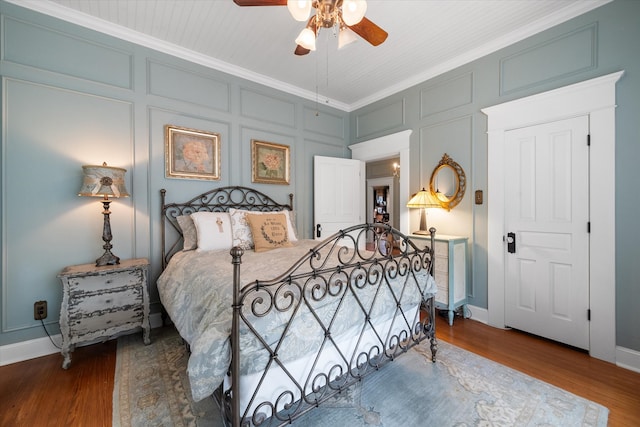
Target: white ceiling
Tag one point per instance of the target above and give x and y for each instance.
(426, 38)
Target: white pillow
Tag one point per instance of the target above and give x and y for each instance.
(241, 229)
(213, 230)
(189, 232)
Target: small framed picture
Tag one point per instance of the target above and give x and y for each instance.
(191, 153)
(269, 162)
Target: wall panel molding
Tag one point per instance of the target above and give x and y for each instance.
(569, 54)
(324, 123)
(65, 54)
(447, 95)
(184, 85)
(387, 117)
(267, 108)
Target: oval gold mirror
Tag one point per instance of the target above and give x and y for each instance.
(448, 182)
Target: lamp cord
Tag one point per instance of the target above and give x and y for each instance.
(50, 337)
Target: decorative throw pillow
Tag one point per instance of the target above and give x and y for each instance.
(189, 233)
(242, 235)
(213, 230)
(269, 231)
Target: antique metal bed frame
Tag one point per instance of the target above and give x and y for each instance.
(310, 280)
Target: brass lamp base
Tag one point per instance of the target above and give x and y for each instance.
(423, 224)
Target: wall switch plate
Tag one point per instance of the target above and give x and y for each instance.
(478, 197)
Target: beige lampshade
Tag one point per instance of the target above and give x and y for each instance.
(423, 199)
(103, 181)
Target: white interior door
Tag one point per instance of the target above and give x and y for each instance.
(339, 194)
(547, 215)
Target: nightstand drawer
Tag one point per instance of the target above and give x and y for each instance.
(98, 283)
(106, 321)
(84, 305)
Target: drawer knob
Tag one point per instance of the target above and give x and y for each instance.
(108, 301)
(109, 281)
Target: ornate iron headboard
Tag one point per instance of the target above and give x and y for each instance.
(216, 200)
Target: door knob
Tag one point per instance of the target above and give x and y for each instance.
(511, 243)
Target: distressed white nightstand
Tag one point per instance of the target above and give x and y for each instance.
(451, 271)
(100, 302)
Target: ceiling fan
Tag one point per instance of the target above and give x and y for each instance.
(347, 16)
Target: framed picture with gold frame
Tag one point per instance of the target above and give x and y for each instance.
(191, 153)
(269, 162)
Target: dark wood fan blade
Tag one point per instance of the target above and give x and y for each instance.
(301, 50)
(260, 2)
(370, 32)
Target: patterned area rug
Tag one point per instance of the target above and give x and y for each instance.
(460, 389)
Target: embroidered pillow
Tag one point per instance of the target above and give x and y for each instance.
(213, 230)
(241, 230)
(269, 230)
(189, 233)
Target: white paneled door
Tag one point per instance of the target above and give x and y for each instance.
(547, 215)
(338, 195)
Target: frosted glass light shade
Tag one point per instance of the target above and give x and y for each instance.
(345, 37)
(307, 39)
(299, 9)
(353, 11)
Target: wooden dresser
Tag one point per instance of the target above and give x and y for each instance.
(451, 271)
(100, 302)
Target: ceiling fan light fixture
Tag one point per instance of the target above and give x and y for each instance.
(299, 9)
(353, 11)
(345, 37)
(307, 39)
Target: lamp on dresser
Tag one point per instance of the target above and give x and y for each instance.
(423, 200)
(104, 181)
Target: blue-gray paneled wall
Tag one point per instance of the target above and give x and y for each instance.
(445, 115)
(72, 96)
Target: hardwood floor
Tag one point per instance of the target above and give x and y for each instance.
(40, 392)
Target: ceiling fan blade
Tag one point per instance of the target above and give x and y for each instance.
(301, 50)
(369, 31)
(260, 2)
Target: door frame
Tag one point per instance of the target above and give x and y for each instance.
(594, 98)
(396, 144)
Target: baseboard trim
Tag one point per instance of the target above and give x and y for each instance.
(628, 359)
(477, 313)
(625, 357)
(31, 349)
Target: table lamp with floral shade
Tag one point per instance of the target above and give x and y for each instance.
(104, 181)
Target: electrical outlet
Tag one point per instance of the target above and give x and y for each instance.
(40, 310)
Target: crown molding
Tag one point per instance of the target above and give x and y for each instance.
(58, 11)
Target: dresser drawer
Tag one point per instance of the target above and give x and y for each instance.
(86, 304)
(441, 249)
(441, 264)
(101, 282)
(449, 271)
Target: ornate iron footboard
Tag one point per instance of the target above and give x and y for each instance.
(384, 295)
